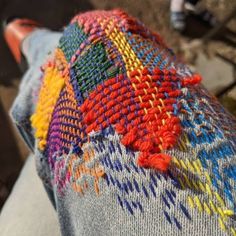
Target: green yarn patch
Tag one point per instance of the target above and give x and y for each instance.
(71, 40)
(92, 68)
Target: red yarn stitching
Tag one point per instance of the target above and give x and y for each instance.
(142, 112)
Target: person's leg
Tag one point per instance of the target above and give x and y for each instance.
(39, 44)
(27, 210)
(27, 38)
(36, 48)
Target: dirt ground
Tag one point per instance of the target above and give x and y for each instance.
(56, 13)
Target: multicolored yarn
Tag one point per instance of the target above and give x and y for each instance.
(141, 107)
(52, 84)
(146, 98)
(116, 106)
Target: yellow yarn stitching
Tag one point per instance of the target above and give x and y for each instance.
(233, 231)
(207, 209)
(128, 55)
(190, 202)
(53, 83)
(221, 223)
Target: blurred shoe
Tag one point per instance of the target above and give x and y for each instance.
(15, 31)
(177, 20)
(190, 7)
(202, 14)
(206, 17)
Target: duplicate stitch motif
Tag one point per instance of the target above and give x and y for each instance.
(117, 107)
(76, 170)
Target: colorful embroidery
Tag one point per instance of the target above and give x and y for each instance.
(142, 110)
(73, 169)
(53, 82)
(116, 101)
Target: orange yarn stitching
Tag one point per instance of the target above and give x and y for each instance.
(82, 169)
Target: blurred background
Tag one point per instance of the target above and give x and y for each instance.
(211, 53)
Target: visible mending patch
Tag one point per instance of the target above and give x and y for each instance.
(143, 110)
(120, 101)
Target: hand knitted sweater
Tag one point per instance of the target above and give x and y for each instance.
(127, 140)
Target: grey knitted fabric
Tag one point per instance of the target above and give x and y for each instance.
(133, 201)
(127, 140)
